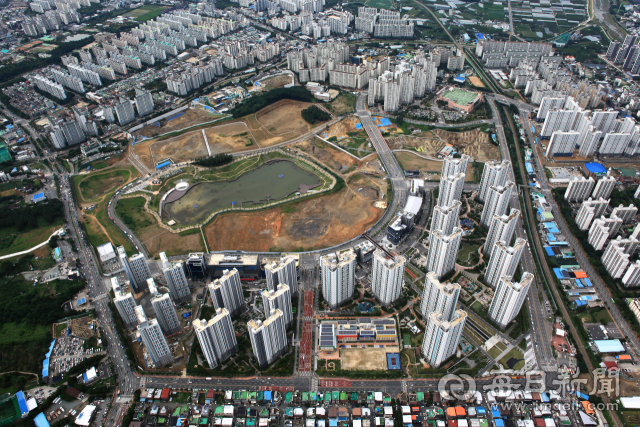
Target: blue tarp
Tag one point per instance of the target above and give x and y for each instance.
(41, 420)
(175, 117)
(22, 403)
(45, 364)
(595, 167)
(359, 126)
(480, 36)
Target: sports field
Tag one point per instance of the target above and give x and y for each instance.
(460, 97)
(363, 359)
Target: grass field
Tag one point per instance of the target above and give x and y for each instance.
(12, 240)
(131, 212)
(466, 251)
(343, 104)
(91, 186)
(516, 354)
(596, 315)
(144, 13)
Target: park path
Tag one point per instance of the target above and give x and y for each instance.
(32, 249)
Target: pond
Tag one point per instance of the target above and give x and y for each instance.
(277, 180)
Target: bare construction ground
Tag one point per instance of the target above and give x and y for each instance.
(180, 148)
(332, 157)
(474, 143)
(431, 167)
(192, 116)
(363, 359)
(276, 81)
(309, 224)
(229, 138)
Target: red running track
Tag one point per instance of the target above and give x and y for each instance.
(304, 361)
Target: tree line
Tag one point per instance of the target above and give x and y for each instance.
(29, 217)
(217, 160)
(314, 115)
(256, 103)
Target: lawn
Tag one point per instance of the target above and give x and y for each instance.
(516, 354)
(98, 164)
(131, 212)
(596, 315)
(183, 397)
(144, 13)
(466, 251)
(59, 328)
(495, 351)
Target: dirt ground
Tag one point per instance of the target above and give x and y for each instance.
(192, 116)
(476, 81)
(180, 148)
(341, 128)
(276, 81)
(158, 240)
(432, 167)
(230, 137)
(474, 143)
(315, 223)
(330, 156)
(284, 116)
(363, 359)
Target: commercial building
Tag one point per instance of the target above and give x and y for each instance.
(508, 298)
(496, 202)
(166, 314)
(604, 187)
(579, 189)
(280, 299)
(441, 337)
(153, 340)
(196, 265)
(443, 252)
(338, 276)
(268, 338)
(176, 279)
(285, 271)
(226, 292)
(217, 337)
(247, 265)
(504, 261)
(438, 297)
(494, 174)
(364, 250)
(387, 277)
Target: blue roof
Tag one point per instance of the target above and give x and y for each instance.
(499, 421)
(544, 397)
(82, 301)
(393, 361)
(22, 403)
(551, 237)
(587, 282)
(480, 410)
(480, 36)
(549, 250)
(595, 167)
(609, 346)
(41, 420)
(495, 413)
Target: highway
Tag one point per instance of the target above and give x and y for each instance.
(540, 335)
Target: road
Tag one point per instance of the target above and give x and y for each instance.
(539, 325)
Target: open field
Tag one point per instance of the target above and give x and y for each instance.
(12, 241)
(192, 116)
(96, 188)
(144, 13)
(272, 125)
(152, 236)
(343, 104)
(276, 81)
(325, 220)
(229, 138)
(327, 154)
(433, 168)
(363, 359)
(92, 186)
(514, 353)
(180, 148)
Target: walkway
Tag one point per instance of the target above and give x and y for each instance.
(33, 248)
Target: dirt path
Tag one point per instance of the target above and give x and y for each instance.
(104, 230)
